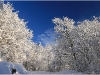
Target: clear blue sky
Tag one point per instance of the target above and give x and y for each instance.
(40, 14)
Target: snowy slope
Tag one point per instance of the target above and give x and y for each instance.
(5, 68)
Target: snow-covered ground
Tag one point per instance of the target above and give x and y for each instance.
(61, 72)
(5, 68)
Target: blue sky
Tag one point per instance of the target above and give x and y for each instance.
(40, 15)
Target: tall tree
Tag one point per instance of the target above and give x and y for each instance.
(15, 37)
(81, 42)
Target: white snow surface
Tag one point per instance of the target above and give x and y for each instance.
(61, 72)
(5, 68)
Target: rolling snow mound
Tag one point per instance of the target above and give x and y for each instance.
(6, 67)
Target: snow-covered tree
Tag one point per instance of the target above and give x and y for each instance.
(89, 32)
(15, 37)
(40, 58)
(81, 43)
(65, 48)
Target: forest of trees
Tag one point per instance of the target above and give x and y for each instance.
(77, 47)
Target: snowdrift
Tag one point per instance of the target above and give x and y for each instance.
(6, 67)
